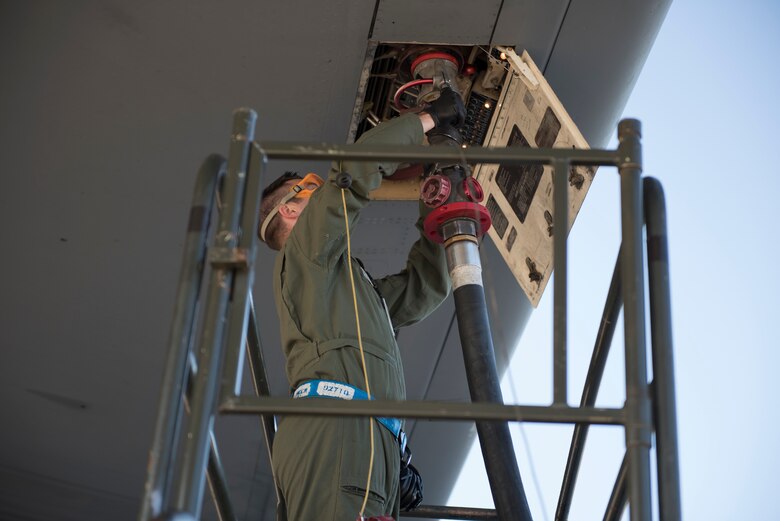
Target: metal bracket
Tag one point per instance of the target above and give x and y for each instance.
(520, 68)
(222, 257)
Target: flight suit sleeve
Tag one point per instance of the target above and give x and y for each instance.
(320, 233)
(415, 292)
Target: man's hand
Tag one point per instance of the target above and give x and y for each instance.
(448, 109)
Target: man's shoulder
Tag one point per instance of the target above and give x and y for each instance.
(295, 258)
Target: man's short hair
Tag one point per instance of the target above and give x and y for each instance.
(271, 196)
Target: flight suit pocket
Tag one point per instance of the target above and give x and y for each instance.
(356, 454)
(361, 492)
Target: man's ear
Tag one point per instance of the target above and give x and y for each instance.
(288, 210)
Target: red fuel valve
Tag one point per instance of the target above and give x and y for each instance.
(473, 190)
(435, 190)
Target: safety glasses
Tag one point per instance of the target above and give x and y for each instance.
(303, 189)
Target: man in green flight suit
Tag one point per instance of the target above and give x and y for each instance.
(321, 463)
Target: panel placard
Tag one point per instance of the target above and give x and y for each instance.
(521, 198)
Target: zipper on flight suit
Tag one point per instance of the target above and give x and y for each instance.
(379, 294)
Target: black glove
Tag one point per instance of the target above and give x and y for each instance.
(447, 109)
(411, 488)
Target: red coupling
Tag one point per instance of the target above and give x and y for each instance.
(435, 190)
(433, 56)
(461, 210)
(473, 190)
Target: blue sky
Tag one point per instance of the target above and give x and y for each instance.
(707, 99)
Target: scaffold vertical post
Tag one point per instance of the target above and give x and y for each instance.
(238, 312)
(638, 406)
(192, 465)
(667, 459)
(167, 426)
(560, 257)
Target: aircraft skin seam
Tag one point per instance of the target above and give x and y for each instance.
(557, 35)
(495, 24)
(373, 19)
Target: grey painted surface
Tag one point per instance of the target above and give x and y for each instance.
(531, 25)
(106, 110)
(436, 21)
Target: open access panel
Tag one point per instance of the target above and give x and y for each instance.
(509, 103)
(520, 199)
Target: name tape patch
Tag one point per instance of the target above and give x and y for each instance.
(335, 390)
(302, 391)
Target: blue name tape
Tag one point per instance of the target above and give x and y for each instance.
(342, 391)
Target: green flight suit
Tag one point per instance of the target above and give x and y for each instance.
(321, 464)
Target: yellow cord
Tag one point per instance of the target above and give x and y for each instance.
(362, 353)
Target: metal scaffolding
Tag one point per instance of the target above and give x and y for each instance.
(194, 390)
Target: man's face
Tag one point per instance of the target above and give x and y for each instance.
(294, 192)
(301, 201)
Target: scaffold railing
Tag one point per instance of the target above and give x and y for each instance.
(195, 389)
